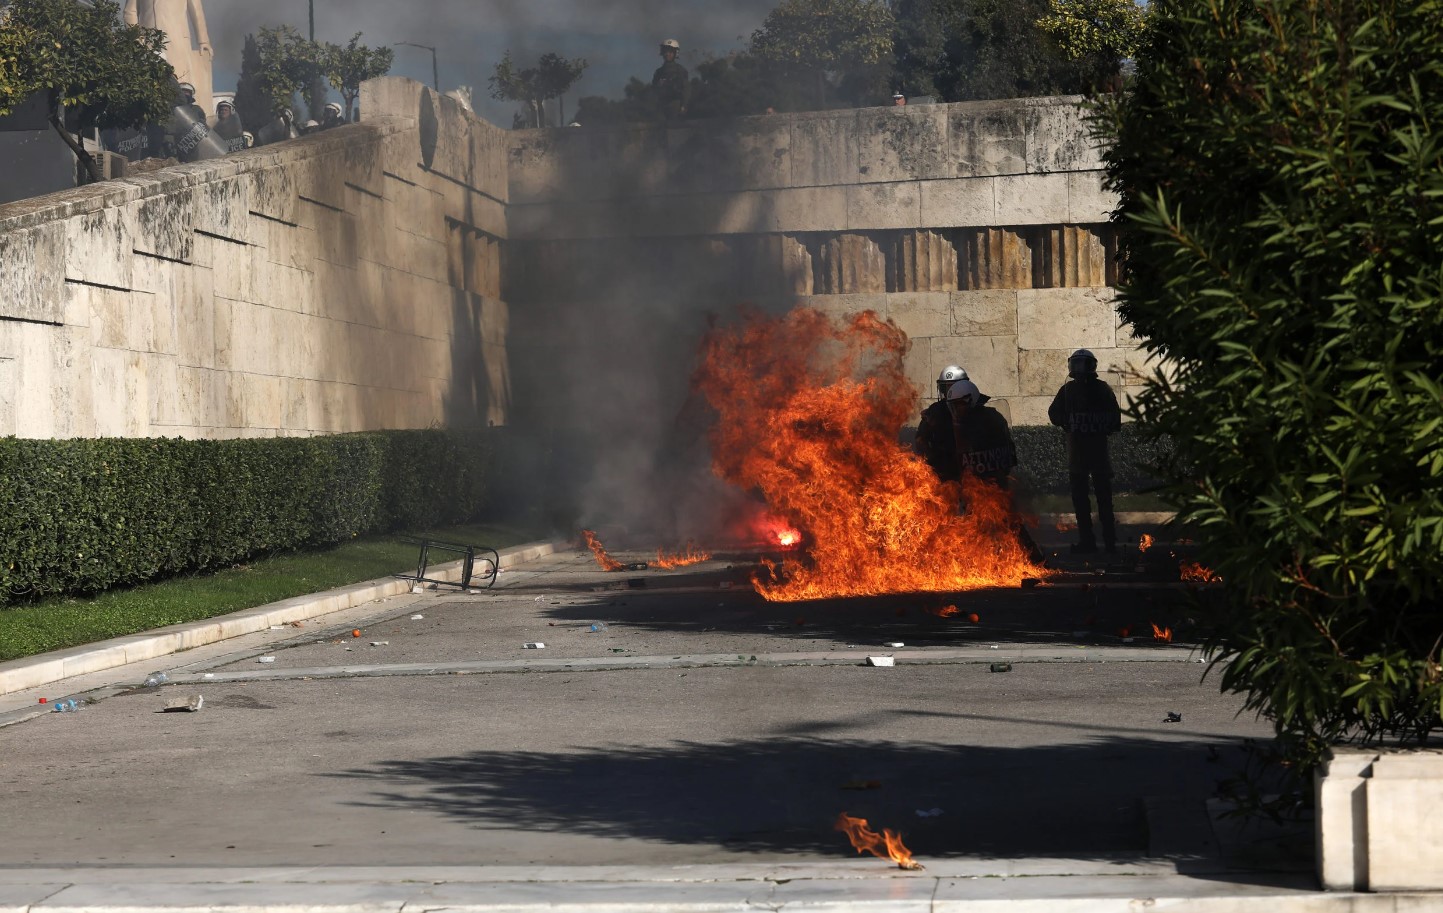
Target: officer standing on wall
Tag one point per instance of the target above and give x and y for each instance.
(671, 82)
(935, 441)
(188, 128)
(1087, 410)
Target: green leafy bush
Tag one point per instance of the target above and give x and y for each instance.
(1281, 172)
(82, 516)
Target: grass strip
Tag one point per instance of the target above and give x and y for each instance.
(54, 624)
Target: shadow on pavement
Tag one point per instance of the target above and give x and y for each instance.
(782, 795)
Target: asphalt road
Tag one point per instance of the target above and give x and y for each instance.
(644, 765)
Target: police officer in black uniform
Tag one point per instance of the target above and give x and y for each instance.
(985, 448)
(671, 82)
(1087, 410)
(935, 441)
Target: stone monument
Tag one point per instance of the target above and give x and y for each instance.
(187, 40)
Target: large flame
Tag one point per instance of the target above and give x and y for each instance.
(886, 845)
(808, 414)
(607, 562)
(1192, 570)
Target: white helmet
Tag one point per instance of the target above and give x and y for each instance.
(964, 391)
(671, 43)
(335, 108)
(1081, 363)
(949, 376)
(225, 103)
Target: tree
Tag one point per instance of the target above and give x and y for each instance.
(1086, 28)
(552, 76)
(251, 101)
(1281, 175)
(962, 50)
(91, 67)
(288, 64)
(846, 43)
(347, 67)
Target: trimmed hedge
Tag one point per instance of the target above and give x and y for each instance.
(1042, 457)
(82, 516)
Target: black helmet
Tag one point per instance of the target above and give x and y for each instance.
(1081, 363)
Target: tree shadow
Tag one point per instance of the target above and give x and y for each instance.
(775, 795)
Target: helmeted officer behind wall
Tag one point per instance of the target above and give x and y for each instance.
(985, 448)
(935, 441)
(671, 82)
(1087, 410)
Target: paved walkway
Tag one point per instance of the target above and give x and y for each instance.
(693, 753)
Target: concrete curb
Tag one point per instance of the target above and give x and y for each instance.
(1124, 518)
(34, 671)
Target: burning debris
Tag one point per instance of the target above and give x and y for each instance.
(1161, 635)
(887, 845)
(687, 556)
(607, 562)
(808, 414)
(1145, 542)
(946, 611)
(1193, 571)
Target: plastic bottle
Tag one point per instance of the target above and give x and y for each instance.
(69, 705)
(598, 626)
(155, 680)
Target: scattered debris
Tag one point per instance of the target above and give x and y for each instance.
(1000, 667)
(894, 643)
(208, 675)
(946, 611)
(183, 705)
(69, 705)
(356, 633)
(974, 618)
(417, 617)
(1173, 717)
(155, 680)
(416, 589)
(277, 627)
(597, 626)
(380, 643)
(266, 659)
(538, 645)
(882, 661)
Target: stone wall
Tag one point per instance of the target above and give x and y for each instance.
(345, 281)
(981, 228)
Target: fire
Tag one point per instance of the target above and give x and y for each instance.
(687, 556)
(607, 562)
(788, 537)
(1161, 635)
(1144, 543)
(1191, 570)
(808, 414)
(946, 611)
(887, 845)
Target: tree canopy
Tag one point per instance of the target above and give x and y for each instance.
(844, 44)
(91, 66)
(550, 78)
(1087, 28)
(348, 66)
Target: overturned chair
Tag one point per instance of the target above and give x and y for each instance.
(480, 564)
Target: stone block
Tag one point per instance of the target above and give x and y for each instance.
(824, 148)
(32, 272)
(163, 384)
(99, 248)
(1028, 410)
(1042, 372)
(273, 192)
(1088, 202)
(1066, 319)
(223, 207)
(1405, 822)
(902, 144)
(920, 314)
(991, 361)
(983, 312)
(165, 224)
(1032, 199)
(9, 388)
(874, 206)
(119, 393)
(987, 141)
(965, 202)
(1059, 139)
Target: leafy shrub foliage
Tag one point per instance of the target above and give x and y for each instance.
(1281, 172)
(82, 516)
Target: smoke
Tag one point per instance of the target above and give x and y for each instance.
(618, 37)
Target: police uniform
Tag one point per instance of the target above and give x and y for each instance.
(672, 85)
(1086, 408)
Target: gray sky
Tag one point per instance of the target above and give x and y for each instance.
(618, 37)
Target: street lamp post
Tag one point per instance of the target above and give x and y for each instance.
(312, 5)
(435, 67)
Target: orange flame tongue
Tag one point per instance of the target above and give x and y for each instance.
(1192, 570)
(607, 562)
(1144, 543)
(795, 424)
(886, 845)
(687, 556)
(1161, 635)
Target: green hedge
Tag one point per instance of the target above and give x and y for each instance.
(82, 516)
(1042, 457)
